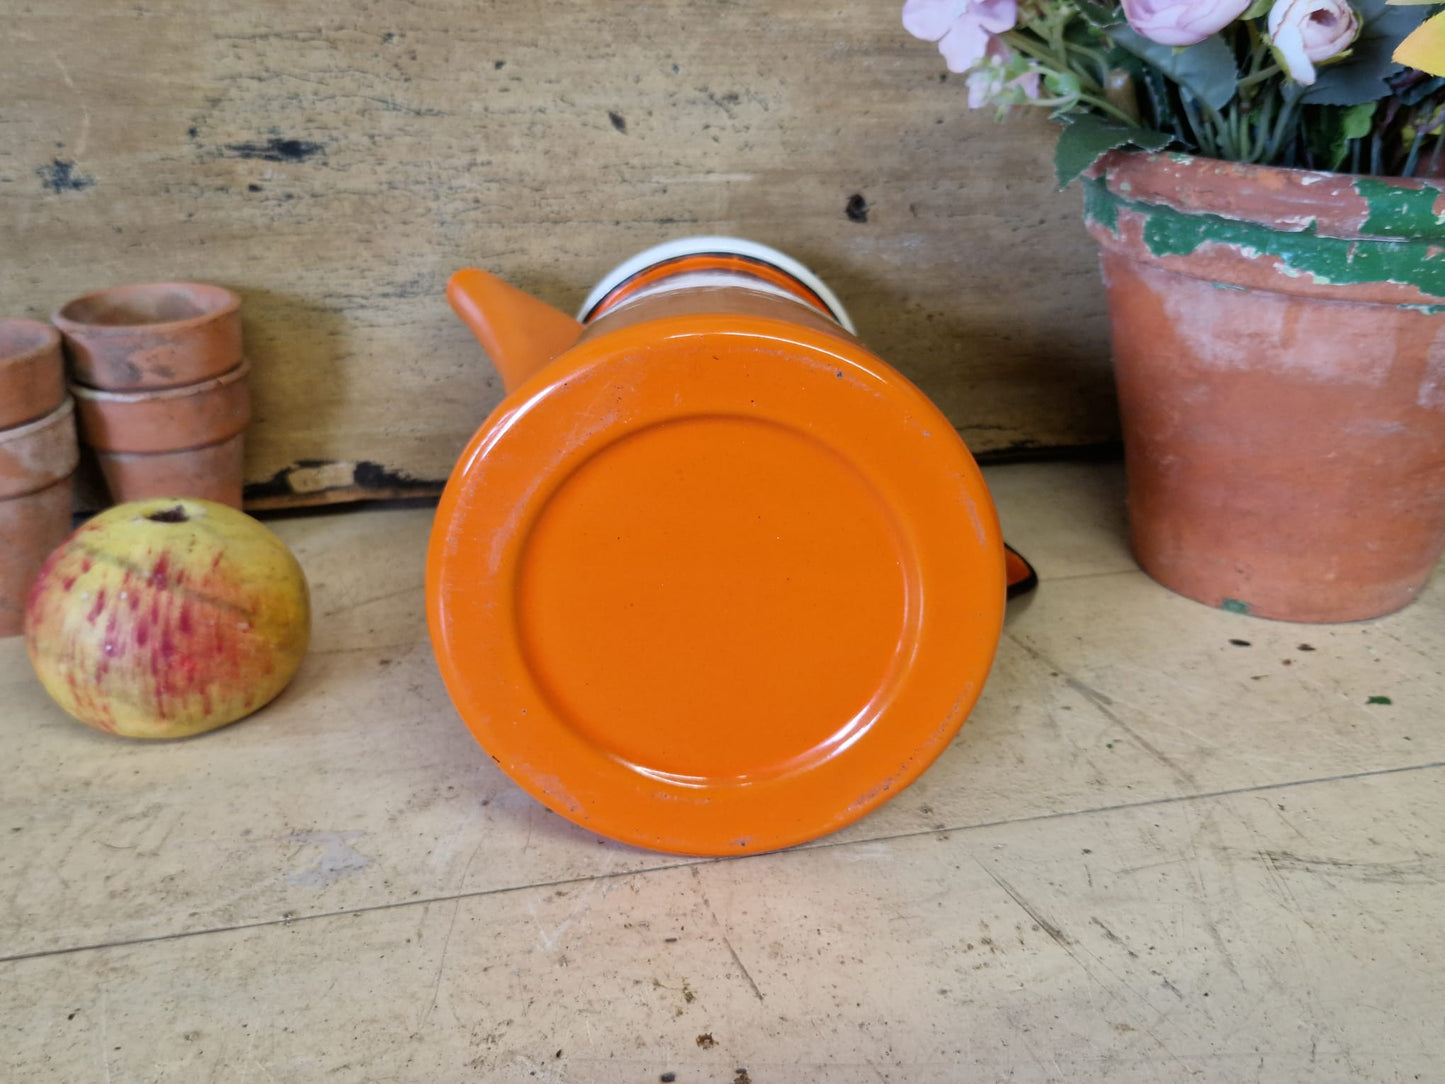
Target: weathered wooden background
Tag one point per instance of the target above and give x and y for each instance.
(334, 162)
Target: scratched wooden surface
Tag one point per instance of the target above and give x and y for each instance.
(334, 162)
(1171, 843)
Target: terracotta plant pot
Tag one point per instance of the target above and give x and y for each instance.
(154, 335)
(1281, 387)
(37, 461)
(32, 371)
(171, 442)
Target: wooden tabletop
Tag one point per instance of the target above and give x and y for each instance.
(1172, 843)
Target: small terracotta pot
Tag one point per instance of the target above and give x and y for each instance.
(30, 528)
(36, 463)
(32, 371)
(38, 453)
(154, 335)
(1277, 349)
(211, 472)
(171, 442)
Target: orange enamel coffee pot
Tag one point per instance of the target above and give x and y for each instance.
(713, 578)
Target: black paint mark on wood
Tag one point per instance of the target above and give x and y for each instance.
(371, 475)
(857, 208)
(277, 149)
(278, 485)
(365, 475)
(618, 121)
(61, 176)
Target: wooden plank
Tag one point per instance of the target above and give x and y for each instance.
(334, 163)
(1151, 707)
(1203, 940)
(1170, 844)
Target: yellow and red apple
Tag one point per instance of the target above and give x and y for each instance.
(164, 618)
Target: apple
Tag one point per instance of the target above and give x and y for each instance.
(167, 617)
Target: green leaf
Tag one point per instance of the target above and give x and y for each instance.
(1355, 124)
(1157, 88)
(1361, 76)
(1205, 71)
(1418, 92)
(1087, 137)
(1261, 7)
(1062, 84)
(1370, 10)
(1102, 15)
(1329, 130)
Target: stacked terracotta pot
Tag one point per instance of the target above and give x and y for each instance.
(38, 455)
(160, 387)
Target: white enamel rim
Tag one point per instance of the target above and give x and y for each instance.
(727, 246)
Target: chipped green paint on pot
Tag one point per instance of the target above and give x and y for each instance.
(1279, 348)
(1408, 249)
(1396, 211)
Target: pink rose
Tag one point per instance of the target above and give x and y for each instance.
(1304, 31)
(963, 28)
(1181, 22)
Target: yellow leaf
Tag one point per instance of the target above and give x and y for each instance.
(1424, 48)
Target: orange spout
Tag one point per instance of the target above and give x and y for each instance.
(519, 333)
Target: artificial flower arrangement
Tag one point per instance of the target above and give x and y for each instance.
(1352, 85)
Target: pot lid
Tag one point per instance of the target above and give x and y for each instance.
(715, 585)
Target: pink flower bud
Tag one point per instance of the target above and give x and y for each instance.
(999, 80)
(1181, 22)
(1305, 31)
